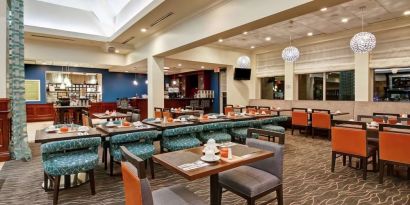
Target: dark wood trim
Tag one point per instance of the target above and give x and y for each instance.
(40, 112)
(268, 134)
(5, 129)
(321, 110)
(343, 123)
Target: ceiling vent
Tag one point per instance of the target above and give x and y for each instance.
(128, 40)
(51, 37)
(162, 18)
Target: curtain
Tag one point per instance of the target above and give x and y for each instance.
(19, 140)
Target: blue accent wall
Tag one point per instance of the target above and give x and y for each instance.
(115, 85)
(215, 88)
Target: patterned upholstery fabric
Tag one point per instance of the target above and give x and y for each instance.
(138, 143)
(216, 131)
(240, 128)
(181, 138)
(70, 156)
(275, 128)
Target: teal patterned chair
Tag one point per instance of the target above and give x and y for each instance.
(216, 131)
(64, 158)
(138, 143)
(181, 138)
(239, 130)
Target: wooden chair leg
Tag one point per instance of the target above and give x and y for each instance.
(219, 194)
(374, 162)
(292, 129)
(313, 133)
(344, 160)
(92, 181)
(56, 189)
(329, 134)
(151, 166)
(279, 195)
(306, 131)
(45, 181)
(251, 201)
(332, 169)
(381, 171)
(364, 167)
(111, 165)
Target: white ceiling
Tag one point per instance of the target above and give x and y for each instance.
(98, 18)
(321, 22)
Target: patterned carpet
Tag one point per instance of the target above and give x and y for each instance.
(308, 180)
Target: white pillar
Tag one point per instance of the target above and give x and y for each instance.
(362, 77)
(155, 67)
(3, 49)
(290, 81)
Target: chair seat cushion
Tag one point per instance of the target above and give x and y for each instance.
(241, 133)
(248, 180)
(175, 195)
(274, 128)
(141, 150)
(180, 142)
(217, 136)
(70, 163)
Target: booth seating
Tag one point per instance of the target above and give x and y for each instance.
(217, 131)
(240, 128)
(174, 139)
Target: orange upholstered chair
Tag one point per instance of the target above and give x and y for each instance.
(321, 120)
(167, 114)
(228, 110)
(392, 120)
(132, 184)
(300, 119)
(158, 112)
(251, 109)
(352, 141)
(394, 148)
(264, 109)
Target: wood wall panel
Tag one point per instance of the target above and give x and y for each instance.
(40, 112)
(142, 105)
(5, 128)
(100, 107)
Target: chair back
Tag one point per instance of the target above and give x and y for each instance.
(378, 119)
(394, 145)
(349, 137)
(390, 118)
(227, 110)
(321, 120)
(158, 112)
(136, 185)
(135, 117)
(300, 117)
(250, 109)
(167, 114)
(65, 146)
(272, 165)
(86, 120)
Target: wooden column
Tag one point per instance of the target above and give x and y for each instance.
(5, 124)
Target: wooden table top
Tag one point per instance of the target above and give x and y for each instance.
(185, 112)
(42, 136)
(258, 116)
(242, 155)
(206, 121)
(109, 116)
(240, 117)
(339, 113)
(161, 125)
(122, 130)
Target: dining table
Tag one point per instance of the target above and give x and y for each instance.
(111, 116)
(161, 125)
(176, 113)
(185, 163)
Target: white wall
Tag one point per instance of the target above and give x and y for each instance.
(238, 92)
(65, 52)
(3, 49)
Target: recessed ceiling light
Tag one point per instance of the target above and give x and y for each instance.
(323, 9)
(202, 67)
(245, 33)
(345, 20)
(143, 30)
(166, 68)
(310, 34)
(221, 40)
(117, 51)
(179, 64)
(126, 71)
(268, 38)
(407, 13)
(252, 47)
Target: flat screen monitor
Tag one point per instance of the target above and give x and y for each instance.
(242, 74)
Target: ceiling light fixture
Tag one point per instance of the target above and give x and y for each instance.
(135, 82)
(243, 62)
(252, 47)
(117, 51)
(126, 71)
(202, 67)
(268, 38)
(406, 13)
(323, 9)
(345, 20)
(221, 40)
(143, 30)
(310, 34)
(179, 64)
(245, 33)
(146, 81)
(363, 42)
(290, 53)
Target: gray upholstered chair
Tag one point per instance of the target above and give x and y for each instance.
(138, 191)
(257, 179)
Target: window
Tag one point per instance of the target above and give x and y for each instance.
(340, 85)
(273, 88)
(310, 86)
(391, 85)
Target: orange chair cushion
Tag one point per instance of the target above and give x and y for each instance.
(392, 120)
(228, 110)
(321, 120)
(378, 120)
(132, 186)
(300, 118)
(267, 111)
(158, 114)
(251, 110)
(394, 147)
(349, 141)
(167, 114)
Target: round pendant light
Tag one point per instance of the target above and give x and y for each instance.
(290, 54)
(243, 62)
(363, 42)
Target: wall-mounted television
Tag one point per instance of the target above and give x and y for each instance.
(242, 74)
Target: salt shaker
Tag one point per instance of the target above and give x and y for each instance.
(229, 153)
